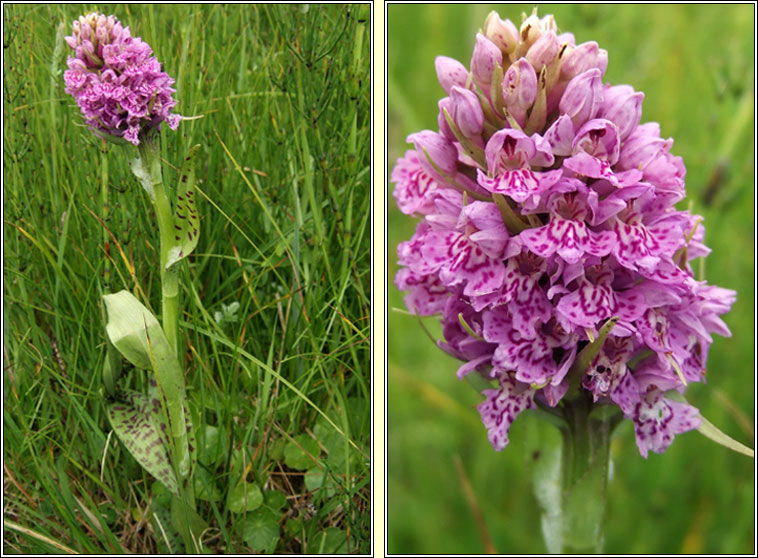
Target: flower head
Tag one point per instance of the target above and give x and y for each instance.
(117, 82)
(547, 212)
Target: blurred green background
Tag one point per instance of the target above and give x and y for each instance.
(696, 66)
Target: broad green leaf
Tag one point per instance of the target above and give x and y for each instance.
(186, 221)
(318, 479)
(133, 423)
(128, 327)
(245, 496)
(302, 452)
(136, 333)
(261, 530)
(275, 499)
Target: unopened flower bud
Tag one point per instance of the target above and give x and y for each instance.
(520, 84)
(486, 56)
(438, 148)
(582, 97)
(548, 24)
(502, 32)
(450, 72)
(623, 106)
(582, 58)
(466, 111)
(543, 51)
(530, 30)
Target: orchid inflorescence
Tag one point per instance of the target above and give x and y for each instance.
(550, 242)
(116, 81)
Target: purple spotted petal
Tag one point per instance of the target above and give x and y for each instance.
(657, 420)
(414, 187)
(589, 304)
(502, 406)
(426, 294)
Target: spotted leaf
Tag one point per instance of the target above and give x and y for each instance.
(186, 221)
(139, 429)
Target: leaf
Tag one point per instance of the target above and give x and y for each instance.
(331, 541)
(186, 221)
(136, 333)
(137, 428)
(112, 368)
(318, 479)
(244, 497)
(275, 500)
(129, 324)
(301, 453)
(261, 530)
(710, 431)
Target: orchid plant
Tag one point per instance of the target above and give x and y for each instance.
(550, 244)
(124, 97)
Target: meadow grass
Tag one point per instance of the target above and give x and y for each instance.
(275, 300)
(696, 67)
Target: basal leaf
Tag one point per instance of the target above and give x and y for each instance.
(186, 221)
(136, 333)
(134, 424)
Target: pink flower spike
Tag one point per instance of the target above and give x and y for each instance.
(116, 81)
(550, 210)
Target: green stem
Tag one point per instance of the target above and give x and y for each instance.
(184, 505)
(169, 280)
(584, 476)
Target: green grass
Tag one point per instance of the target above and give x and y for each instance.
(696, 67)
(284, 183)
